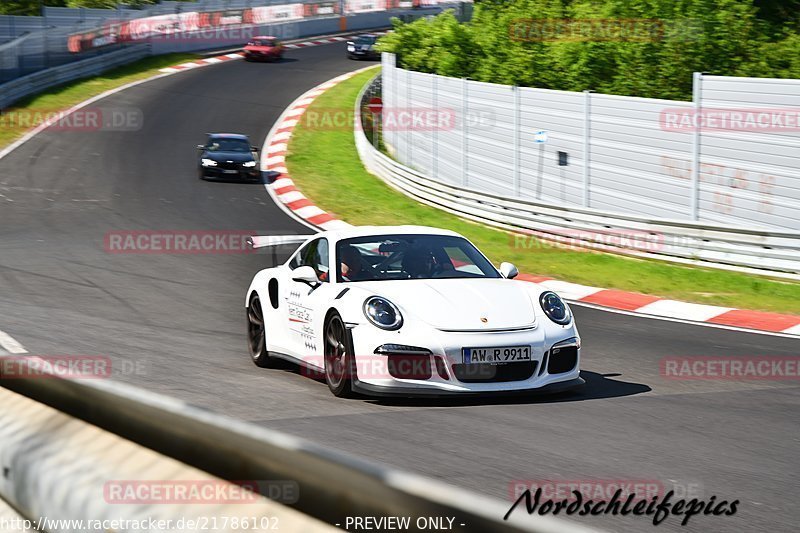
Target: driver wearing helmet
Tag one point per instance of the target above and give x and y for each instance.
(418, 263)
(350, 267)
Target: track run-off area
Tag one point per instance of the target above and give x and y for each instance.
(175, 323)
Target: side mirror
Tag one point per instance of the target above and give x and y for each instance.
(508, 270)
(254, 148)
(305, 274)
(350, 43)
(201, 146)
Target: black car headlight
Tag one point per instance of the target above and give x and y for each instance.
(382, 313)
(555, 308)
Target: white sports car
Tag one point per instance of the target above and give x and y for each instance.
(410, 311)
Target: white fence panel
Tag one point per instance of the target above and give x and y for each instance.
(535, 144)
(751, 177)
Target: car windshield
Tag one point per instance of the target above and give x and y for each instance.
(262, 42)
(394, 257)
(365, 40)
(228, 145)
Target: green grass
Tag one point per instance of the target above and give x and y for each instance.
(326, 167)
(65, 96)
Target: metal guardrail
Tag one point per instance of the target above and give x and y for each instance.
(60, 473)
(331, 485)
(772, 253)
(33, 83)
(321, 25)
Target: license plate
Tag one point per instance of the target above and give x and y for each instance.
(493, 356)
(226, 171)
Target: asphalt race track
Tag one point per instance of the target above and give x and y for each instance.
(180, 319)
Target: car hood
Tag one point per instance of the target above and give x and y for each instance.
(460, 304)
(236, 157)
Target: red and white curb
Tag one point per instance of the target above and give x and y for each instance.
(653, 306)
(202, 63)
(286, 195)
(273, 158)
(240, 55)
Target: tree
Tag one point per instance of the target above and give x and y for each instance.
(646, 48)
(27, 7)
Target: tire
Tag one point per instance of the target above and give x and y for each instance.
(256, 334)
(339, 364)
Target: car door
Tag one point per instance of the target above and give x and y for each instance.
(305, 304)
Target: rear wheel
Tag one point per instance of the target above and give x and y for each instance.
(257, 334)
(339, 367)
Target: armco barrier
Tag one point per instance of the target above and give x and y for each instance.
(331, 486)
(24, 86)
(67, 35)
(775, 253)
(33, 83)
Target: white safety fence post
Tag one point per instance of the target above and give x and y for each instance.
(435, 133)
(587, 148)
(516, 140)
(697, 98)
(409, 139)
(464, 131)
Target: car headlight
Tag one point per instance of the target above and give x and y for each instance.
(249, 164)
(208, 162)
(382, 313)
(555, 308)
(351, 48)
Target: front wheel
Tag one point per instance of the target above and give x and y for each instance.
(339, 367)
(257, 334)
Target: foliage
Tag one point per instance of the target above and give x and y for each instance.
(644, 48)
(27, 7)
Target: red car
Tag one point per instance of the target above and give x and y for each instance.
(264, 48)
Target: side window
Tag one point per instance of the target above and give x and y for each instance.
(315, 255)
(297, 260)
(320, 262)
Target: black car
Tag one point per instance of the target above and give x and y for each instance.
(228, 156)
(363, 47)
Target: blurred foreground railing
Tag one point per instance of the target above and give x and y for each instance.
(58, 467)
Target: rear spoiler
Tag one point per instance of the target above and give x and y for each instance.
(263, 241)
